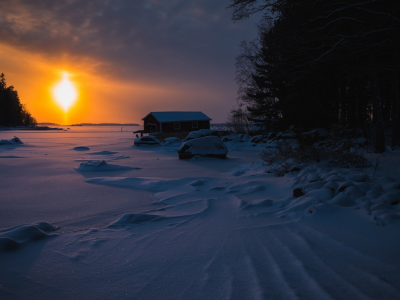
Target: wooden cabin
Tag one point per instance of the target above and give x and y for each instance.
(175, 121)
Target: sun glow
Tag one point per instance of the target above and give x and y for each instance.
(65, 93)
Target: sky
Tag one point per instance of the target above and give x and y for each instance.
(125, 58)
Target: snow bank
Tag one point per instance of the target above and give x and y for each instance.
(152, 184)
(171, 141)
(12, 238)
(103, 153)
(236, 138)
(81, 148)
(101, 166)
(200, 133)
(205, 146)
(182, 210)
(350, 188)
(13, 141)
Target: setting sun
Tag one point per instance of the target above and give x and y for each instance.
(65, 93)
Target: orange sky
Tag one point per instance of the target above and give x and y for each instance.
(126, 59)
(99, 99)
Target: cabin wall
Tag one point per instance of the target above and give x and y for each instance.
(169, 127)
(185, 126)
(151, 120)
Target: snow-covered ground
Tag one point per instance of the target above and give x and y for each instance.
(84, 214)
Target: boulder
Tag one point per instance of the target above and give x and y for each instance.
(211, 146)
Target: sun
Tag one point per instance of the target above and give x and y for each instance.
(65, 93)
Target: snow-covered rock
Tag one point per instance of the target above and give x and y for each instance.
(256, 139)
(100, 166)
(171, 141)
(13, 141)
(205, 146)
(200, 133)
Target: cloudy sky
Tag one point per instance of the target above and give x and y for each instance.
(126, 57)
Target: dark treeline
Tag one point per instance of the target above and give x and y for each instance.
(12, 112)
(318, 63)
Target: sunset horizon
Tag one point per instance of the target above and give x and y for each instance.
(124, 69)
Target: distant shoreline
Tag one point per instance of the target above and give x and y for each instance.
(91, 124)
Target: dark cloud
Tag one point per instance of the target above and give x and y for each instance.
(163, 41)
(138, 33)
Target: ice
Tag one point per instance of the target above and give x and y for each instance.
(156, 227)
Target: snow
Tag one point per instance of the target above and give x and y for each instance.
(81, 148)
(156, 227)
(97, 165)
(200, 133)
(320, 132)
(13, 141)
(171, 140)
(12, 238)
(209, 145)
(149, 139)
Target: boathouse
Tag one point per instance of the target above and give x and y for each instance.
(175, 121)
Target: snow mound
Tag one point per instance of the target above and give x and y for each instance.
(103, 153)
(254, 169)
(237, 138)
(183, 210)
(238, 173)
(200, 133)
(13, 141)
(171, 141)
(101, 166)
(257, 139)
(81, 148)
(205, 146)
(319, 132)
(119, 157)
(151, 184)
(106, 158)
(128, 219)
(12, 238)
(349, 188)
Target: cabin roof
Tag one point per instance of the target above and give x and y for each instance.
(178, 116)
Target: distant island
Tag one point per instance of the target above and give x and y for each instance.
(105, 124)
(48, 124)
(91, 124)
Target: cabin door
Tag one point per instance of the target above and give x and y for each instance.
(151, 128)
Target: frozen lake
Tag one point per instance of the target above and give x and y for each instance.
(146, 225)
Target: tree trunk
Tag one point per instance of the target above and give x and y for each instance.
(395, 92)
(396, 113)
(378, 136)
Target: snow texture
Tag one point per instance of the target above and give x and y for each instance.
(81, 148)
(100, 166)
(171, 141)
(198, 229)
(13, 141)
(199, 133)
(209, 145)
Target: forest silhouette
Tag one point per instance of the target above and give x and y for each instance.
(323, 63)
(12, 111)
